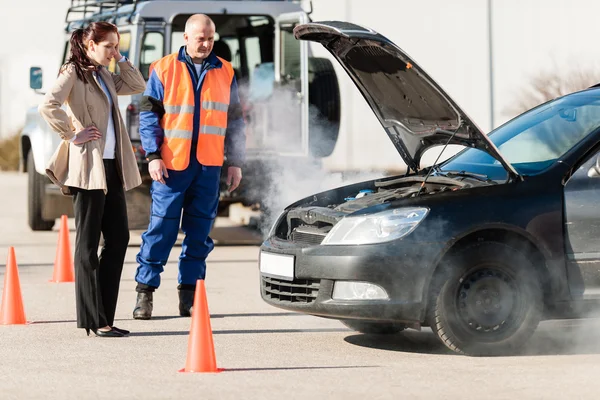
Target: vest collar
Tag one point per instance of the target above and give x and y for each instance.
(212, 59)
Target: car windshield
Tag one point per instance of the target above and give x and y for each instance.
(536, 139)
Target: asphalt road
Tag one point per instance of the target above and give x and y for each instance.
(267, 353)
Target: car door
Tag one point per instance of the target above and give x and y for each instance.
(582, 230)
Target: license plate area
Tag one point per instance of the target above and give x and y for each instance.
(277, 265)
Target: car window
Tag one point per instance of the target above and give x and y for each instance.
(552, 137)
(534, 140)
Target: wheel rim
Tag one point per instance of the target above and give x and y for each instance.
(489, 302)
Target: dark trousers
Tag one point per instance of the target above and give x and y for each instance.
(97, 278)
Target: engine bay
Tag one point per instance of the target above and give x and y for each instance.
(311, 220)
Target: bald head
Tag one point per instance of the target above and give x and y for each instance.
(198, 21)
(199, 36)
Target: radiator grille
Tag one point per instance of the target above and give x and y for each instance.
(296, 291)
(307, 238)
(309, 234)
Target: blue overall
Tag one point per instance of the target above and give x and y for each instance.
(193, 191)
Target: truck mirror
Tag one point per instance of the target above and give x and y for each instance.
(594, 171)
(35, 78)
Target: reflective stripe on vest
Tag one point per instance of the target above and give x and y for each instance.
(178, 120)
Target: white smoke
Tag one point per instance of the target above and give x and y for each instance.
(274, 128)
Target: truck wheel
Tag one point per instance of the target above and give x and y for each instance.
(486, 300)
(379, 328)
(324, 100)
(35, 197)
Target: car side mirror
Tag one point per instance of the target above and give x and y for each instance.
(594, 171)
(35, 78)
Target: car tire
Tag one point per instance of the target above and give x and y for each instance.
(325, 112)
(35, 197)
(486, 300)
(378, 328)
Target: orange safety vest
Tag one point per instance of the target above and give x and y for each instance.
(178, 120)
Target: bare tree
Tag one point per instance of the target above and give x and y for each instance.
(550, 85)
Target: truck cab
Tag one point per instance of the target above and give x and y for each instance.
(291, 99)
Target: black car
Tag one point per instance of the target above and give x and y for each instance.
(480, 247)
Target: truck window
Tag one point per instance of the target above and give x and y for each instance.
(290, 55)
(152, 49)
(253, 55)
(244, 40)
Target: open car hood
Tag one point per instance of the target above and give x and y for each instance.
(414, 110)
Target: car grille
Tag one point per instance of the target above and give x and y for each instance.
(296, 291)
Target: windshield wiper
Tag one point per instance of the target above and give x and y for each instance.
(481, 177)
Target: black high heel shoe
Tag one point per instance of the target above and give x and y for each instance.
(111, 333)
(123, 332)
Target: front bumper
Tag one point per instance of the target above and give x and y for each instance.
(403, 268)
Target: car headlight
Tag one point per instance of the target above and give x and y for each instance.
(380, 227)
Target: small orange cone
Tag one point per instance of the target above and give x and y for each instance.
(11, 310)
(201, 350)
(63, 263)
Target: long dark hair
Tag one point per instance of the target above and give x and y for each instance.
(96, 31)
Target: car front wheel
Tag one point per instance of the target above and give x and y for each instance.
(486, 300)
(380, 328)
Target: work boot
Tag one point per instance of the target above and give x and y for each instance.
(143, 306)
(186, 301)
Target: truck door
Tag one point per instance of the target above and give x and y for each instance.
(152, 47)
(288, 131)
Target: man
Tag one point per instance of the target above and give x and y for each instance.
(190, 120)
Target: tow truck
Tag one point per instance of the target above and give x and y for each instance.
(291, 99)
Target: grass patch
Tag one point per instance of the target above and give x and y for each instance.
(9, 153)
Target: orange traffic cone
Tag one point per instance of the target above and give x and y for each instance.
(201, 350)
(11, 311)
(63, 263)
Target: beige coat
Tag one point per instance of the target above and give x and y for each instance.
(81, 165)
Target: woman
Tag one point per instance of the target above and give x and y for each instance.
(95, 164)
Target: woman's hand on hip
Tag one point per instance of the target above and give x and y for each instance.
(87, 134)
(158, 170)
